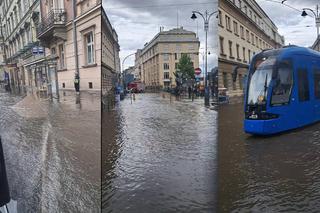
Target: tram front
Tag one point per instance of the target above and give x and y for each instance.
(268, 91)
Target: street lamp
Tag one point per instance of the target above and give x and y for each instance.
(316, 16)
(206, 18)
(123, 76)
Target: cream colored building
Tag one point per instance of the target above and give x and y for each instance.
(159, 58)
(60, 27)
(19, 21)
(110, 56)
(244, 29)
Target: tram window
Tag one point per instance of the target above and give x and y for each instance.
(304, 94)
(283, 84)
(316, 77)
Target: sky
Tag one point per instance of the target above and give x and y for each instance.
(296, 29)
(138, 21)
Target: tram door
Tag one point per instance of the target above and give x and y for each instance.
(304, 106)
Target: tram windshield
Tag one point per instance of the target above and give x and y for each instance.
(260, 80)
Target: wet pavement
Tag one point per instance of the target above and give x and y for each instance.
(159, 156)
(266, 174)
(52, 151)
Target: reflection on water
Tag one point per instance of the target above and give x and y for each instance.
(52, 152)
(159, 156)
(266, 174)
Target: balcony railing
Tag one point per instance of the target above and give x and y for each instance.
(55, 17)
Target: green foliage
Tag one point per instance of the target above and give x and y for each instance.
(185, 67)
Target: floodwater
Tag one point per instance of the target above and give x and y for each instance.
(159, 156)
(52, 152)
(266, 174)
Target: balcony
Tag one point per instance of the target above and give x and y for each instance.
(53, 26)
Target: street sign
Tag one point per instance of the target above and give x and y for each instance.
(197, 71)
(37, 50)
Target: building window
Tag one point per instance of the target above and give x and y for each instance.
(166, 66)
(220, 18)
(53, 51)
(61, 56)
(244, 53)
(235, 27)
(166, 75)
(230, 49)
(242, 32)
(63, 85)
(176, 56)
(176, 66)
(249, 55)
(252, 38)
(245, 10)
(248, 35)
(221, 39)
(89, 48)
(228, 23)
(257, 41)
(238, 55)
(90, 85)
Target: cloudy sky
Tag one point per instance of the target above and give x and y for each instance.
(296, 29)
(138, 21)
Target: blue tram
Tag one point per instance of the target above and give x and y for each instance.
(283, 90)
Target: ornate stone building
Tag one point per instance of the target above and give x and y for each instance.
(244, 29)
(19, 45)
(158, 60)
(71, 32)
(110, 57)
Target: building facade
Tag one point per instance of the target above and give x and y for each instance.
(158, 60)
(244, 29)
(110, 57)
(70, 30)
(316, 45)
(22, 53)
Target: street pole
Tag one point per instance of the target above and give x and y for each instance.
(122, 68)
(316, 16)
(206, 19)
(75, 42)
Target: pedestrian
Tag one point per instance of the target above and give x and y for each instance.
(189, 91)
(77, 83)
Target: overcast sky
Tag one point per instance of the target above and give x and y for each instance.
(138, 21)
(289, 21)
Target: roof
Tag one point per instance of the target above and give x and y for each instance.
(171, 36)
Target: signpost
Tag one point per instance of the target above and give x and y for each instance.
(37, 50)
(197, 71)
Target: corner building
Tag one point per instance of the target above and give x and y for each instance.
(244, 30)
(70, 30)
(158, 60)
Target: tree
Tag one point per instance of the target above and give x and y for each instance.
(185, 68)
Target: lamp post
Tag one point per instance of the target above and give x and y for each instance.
(125, 86)
(316, 16)
(206, 18)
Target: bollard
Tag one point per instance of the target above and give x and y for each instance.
(4, 187)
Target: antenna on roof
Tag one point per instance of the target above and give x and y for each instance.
(177, 18)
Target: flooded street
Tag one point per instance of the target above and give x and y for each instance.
(159, 156)
(266, 174)
(52, 152)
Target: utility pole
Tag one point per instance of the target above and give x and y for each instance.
(206, 18)
(75, 43)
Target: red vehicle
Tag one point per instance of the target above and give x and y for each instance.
(136, 87)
